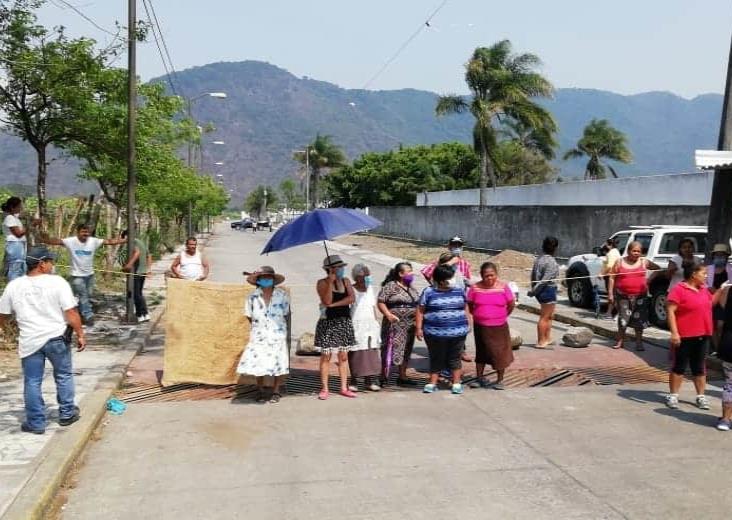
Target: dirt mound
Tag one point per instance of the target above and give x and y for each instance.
(510, 259)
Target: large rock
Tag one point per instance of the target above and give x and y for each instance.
(516, 339)
(577, 337)
(306, 345)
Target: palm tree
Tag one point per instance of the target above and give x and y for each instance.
(322, 154)
(503, 86)
(601, 141)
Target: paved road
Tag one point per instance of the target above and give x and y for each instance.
(582, 452)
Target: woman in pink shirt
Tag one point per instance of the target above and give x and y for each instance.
(491, 302)
(690, 321)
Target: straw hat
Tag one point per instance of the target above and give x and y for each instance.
(264, 270)
(721, 248)
(333, 261)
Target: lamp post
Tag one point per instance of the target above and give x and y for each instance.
(189, 111)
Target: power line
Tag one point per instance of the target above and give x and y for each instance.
(160, 50)
(85, 17)
(404, 45)
(165, 45)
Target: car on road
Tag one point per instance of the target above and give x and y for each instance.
(242, 224)
(659, 243)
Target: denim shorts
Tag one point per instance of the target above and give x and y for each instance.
(547, 295)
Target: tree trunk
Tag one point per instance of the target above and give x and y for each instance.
(486, 169)
(314, 188)
(41, 182)
(719, 225)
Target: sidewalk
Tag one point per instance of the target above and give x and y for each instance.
(33, 466)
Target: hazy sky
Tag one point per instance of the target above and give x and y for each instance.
(625, 46)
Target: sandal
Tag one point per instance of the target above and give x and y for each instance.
(480, 383)
(323, 395)
(499, 386)
(261, 398)
(347, 393)
(275, 398)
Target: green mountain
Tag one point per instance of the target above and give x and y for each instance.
(269, 112)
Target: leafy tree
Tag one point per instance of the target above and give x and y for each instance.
(257, 202)
(48, 81)
(324, 156)
(601, 141)
(503, 86)
(517, 164)
(291, 196)
(395, 178)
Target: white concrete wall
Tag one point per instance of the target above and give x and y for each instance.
(693, 189)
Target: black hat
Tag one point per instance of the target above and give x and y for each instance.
(37, 254)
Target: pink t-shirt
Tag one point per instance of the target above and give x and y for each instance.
(490, 306)
(694, 310)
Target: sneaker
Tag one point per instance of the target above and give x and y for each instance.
(27, 429)
(457, 389)
(353, 388)
(723, 425)
(429, 388)
(702, 402)
(66, 421)
(672, 401)
(142, 319)
(374, 387)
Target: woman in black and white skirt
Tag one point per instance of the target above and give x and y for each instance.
(334, 332)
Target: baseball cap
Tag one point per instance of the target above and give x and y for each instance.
(37, 254)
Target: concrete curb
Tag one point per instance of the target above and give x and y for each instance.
(58, 457)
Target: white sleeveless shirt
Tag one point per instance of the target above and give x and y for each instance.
(191, 267)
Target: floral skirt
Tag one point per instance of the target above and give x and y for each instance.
(633, 311)
(334, 335)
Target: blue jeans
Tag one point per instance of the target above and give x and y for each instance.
(59, 354)
(15, 259)
(83, 287)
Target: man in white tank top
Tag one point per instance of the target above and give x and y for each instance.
(190, 264)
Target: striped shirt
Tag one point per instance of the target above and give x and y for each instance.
(444, 312)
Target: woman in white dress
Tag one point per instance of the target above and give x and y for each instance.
(364, 359)
(267, 309)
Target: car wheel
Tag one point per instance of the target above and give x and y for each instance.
(659, 316)
(580, 292)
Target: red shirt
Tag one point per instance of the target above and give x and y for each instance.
(693, 311)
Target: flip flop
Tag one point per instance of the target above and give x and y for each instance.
(323, 395)
(548, 346)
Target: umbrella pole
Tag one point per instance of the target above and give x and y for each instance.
(325, 245)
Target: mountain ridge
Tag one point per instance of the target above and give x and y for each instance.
(270, 112)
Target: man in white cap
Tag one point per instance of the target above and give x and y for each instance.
(460, 264)
(45, 309)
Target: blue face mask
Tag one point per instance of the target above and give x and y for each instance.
(368, 280)
(341, 272)
(265, 282)
(457, 251)
(720, 261)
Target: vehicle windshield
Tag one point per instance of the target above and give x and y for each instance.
(669, 244)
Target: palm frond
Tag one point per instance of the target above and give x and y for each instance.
(574, 153)
(451, 104)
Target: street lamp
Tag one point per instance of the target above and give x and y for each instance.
(189, 110)
(219, 163)
(218, 142)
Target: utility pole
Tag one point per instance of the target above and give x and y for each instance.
(131, 174)
(719, 225)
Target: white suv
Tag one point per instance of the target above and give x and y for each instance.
(659, 243)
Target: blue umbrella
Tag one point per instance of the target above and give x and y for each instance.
(320, 224)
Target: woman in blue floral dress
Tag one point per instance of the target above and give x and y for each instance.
(267, 309)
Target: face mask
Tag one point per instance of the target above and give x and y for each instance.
(367, 280)
(457, 251)
(265, 282)
(408, 279)
(341, 272)
(720, 262)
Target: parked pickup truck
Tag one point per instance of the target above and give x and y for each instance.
(659, 243)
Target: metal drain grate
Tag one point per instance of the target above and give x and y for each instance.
(305, 382)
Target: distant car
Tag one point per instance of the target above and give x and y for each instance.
(242, 224)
